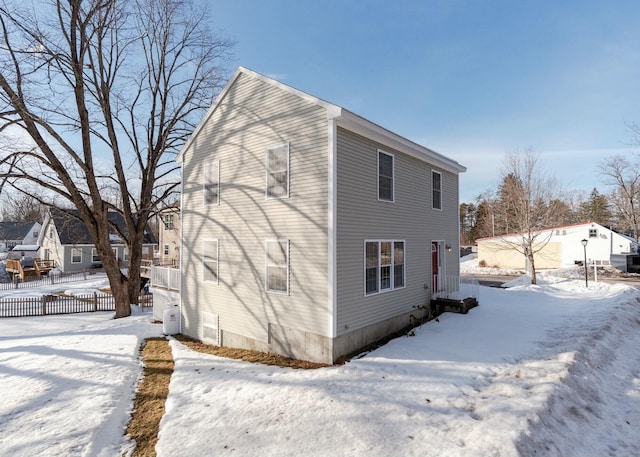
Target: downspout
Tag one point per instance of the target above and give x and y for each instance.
(332, 293)
(180, 263)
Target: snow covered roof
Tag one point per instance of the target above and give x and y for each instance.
(549, 229)
(26, 247)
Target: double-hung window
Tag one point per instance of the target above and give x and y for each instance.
(168, 221)
(384, 265)
(211, 183)
(76, 255)
(277, 266)
(94, 255)
(277, 168)
(436, 186)
(385, 176)
(210, 261)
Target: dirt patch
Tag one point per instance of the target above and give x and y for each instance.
(265, 358)
(148, 407)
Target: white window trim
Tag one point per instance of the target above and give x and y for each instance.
(72, 256)
(432, 189)
(207, 172)
(167, 219)
(393, 176)
(364, 265)
(125, 254)
(266, 169)
(206, 243)
(94, 254)
(165, 250)
(267, 264)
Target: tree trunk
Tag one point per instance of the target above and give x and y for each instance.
(532, 266)
(122, 299)
(119, 282)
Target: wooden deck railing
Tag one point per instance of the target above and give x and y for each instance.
(39, 267)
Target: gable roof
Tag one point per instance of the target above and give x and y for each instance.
(15, 230)
(550, 229)
(72, 230)
(343, 118)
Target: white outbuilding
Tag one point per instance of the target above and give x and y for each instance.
(558, 247)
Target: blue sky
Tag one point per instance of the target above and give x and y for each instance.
(470, 79)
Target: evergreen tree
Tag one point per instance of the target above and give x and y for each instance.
(596, 209)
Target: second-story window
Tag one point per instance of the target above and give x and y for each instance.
(212, 183)
(277, 167)
(168, 221)
(436, 183)
(385, 176)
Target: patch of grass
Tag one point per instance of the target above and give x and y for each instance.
(148, 407)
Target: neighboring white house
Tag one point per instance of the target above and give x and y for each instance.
(169, 235)
(306, 229)
(18, 233)
(558, 247)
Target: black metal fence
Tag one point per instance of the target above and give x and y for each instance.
(62, 304)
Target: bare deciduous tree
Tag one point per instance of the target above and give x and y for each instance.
(22, 206)
(107, 92)
(531, 198)
(624, 176)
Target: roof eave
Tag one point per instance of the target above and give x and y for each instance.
(368, 129)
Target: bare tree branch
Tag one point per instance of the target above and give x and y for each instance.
(529, 203)
(106, 92)
(624, 177)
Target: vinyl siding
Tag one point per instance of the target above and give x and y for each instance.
(54, 246)
(410, 218)
(252, 117)
(85, 264)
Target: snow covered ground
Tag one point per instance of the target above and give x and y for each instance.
(552, 369)
(93, 284)
(469, 265)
